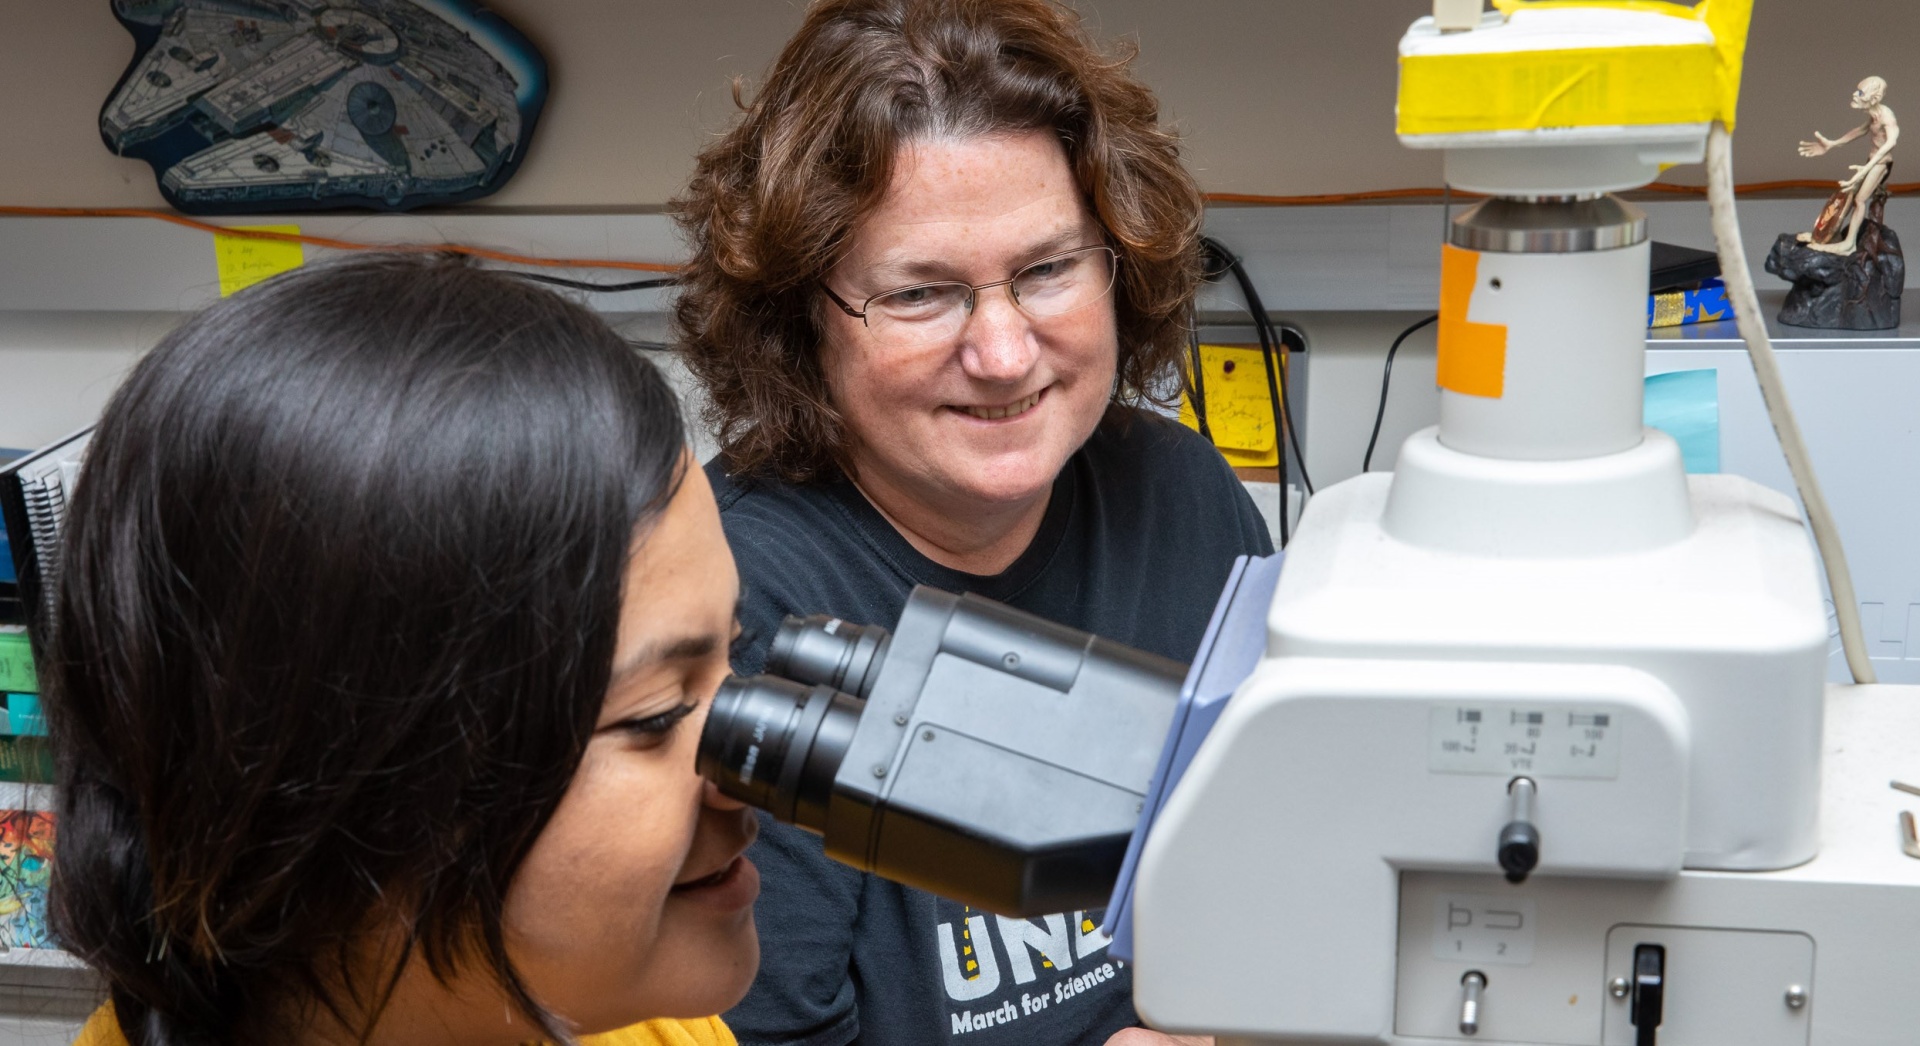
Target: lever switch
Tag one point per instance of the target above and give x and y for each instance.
(1519, 851)
(1649, 992)
(1472, 985)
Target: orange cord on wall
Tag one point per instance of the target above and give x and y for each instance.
(507, 257)
(342, 245)
(1377, 195)
(1324, 199)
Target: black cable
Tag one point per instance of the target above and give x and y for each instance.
(1196, 384)
(1271, 344)
(1221, 261)
(1286, 400)
(582, 285)
(1386, 377)
(1225, 261)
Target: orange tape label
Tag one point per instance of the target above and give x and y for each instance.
(1473, 356)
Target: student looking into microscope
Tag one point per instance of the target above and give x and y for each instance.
(388, 615)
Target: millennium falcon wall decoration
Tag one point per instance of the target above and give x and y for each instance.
(258, 106)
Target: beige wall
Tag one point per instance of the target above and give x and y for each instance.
(1275, 96)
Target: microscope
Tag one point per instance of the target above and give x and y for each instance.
(1526, 742)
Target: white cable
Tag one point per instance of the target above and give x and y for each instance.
(1753, 329)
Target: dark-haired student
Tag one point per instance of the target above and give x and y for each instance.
(389, 613)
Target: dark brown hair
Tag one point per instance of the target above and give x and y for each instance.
(772, 205)
(335, 618)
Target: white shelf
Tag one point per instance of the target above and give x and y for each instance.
(40, 958)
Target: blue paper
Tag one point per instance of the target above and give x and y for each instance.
(1233, 644)
(23, 716)
(6, 551)
(1685, 404)
(1703, 304)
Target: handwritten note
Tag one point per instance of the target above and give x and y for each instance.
(244, 260)
(1239, 405)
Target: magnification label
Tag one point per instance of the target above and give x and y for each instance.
(1499, 737)
(1483, 928)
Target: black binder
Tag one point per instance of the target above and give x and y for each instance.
(34, 493)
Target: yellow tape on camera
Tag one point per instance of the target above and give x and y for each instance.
(1577, 87)
(1482, 91)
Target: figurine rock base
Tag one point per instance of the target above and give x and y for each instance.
(1858, 291)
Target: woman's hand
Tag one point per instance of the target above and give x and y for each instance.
(1148, 1037)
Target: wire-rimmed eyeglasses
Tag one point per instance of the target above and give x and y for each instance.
(1053, 286)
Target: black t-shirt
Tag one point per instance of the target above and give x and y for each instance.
(1142, 527)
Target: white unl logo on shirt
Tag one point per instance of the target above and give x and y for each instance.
(970, 965)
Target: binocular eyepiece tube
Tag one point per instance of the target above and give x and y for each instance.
(775, 742)
(830, 652)
(976, 751)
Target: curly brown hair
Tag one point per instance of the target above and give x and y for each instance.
(773, 204)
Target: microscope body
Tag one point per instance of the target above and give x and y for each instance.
(1327, 870)
(1540, 628)
(1528, 743)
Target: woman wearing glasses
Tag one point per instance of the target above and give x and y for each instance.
(938, 266)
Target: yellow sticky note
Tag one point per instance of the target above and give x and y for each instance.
(1239, 405)
(244, 260)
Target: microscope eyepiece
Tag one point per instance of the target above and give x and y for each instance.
(776, 744)
(775, 741)
(829, 651)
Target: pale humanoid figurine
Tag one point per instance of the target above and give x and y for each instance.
(1848, 273)
(1850, 203)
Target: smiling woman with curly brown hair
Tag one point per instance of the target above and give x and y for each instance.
(772, 207)
(941, 262)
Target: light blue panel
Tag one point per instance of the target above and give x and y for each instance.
(1685, 404)
(1233, 644)
(23, 716)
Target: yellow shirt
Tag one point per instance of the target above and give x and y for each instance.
(103, 1030)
